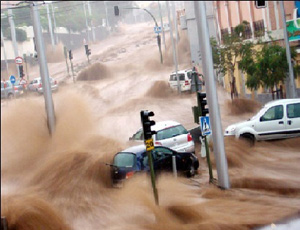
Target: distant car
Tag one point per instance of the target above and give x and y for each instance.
(36, 85)
(135, 159)
(170, 134)
(185, 80)
(10, 91)
(276, 120)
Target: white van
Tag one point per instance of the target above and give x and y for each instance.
(185, 78)
(276, 120)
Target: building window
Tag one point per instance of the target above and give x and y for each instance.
(259, 28)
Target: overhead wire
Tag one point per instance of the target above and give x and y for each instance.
(16, 18)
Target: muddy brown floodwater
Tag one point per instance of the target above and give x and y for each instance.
(62, 182)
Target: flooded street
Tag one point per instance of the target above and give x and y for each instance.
(62, 182)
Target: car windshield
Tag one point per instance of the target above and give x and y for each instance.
(124, 160)
(262, 111)
(170, 132)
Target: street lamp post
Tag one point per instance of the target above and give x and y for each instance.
(158, 36)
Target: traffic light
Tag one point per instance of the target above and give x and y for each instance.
(202, 103)
(21, 71)
(260, 4)
(70, 55)
(87, 50)
(145, 114)
(117, 12)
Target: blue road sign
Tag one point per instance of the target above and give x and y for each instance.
(12, 79)
(205, 126)
(157, 29)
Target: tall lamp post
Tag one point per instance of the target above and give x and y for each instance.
(158, 36)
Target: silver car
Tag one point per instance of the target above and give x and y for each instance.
(10, 91)
(36, 85)
(170, 134)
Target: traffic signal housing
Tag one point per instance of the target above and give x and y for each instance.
(70, 55)
(87, 50)
(202, 103)
(21, 71)
(147, 123)
(116, 9)
(260, 4)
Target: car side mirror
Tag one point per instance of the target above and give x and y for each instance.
(261, 119)
(130, 138)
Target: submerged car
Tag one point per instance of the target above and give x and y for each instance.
(278, 119)
(36, 85)
(135, 159)
(8, 90)
(170, 134)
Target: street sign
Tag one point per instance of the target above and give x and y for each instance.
(157, 29)
(149, 144)
(12, 79)
(19, 60)
(205, 126)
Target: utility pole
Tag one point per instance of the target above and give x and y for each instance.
(86, 22)
(40, 45)
(6, 64)
(105, 6)
(212, 97)
(90, 13)
(175, 22)
(54, 23)
(13, 35)
(174, 49)
(162, 25)
(291, 90)
(50, 27)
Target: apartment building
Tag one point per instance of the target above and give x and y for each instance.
(229, 14)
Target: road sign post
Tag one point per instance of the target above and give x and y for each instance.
(206, 130)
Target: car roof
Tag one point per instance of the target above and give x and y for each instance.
(164, 125)
(182, 71)
(282, 101)
(135, 149)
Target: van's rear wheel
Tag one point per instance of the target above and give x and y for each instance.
(250, 138)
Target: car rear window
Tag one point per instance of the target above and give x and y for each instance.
(171, 132)
(124, 160)
(173, 77)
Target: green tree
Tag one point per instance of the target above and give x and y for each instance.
(21, 35)
(218, 57)
(269, 67)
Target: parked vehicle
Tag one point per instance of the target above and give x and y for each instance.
(10, 91)
(170, 134)
(276, 120)
(36, 85)
(135, 159)
(185, 79)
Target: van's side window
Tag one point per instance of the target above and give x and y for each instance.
(274, 113)
(293, 110)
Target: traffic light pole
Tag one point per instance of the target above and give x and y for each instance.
(207, 63)
(150, 162)
(40, 45)
(13, 35)
(162, 25)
